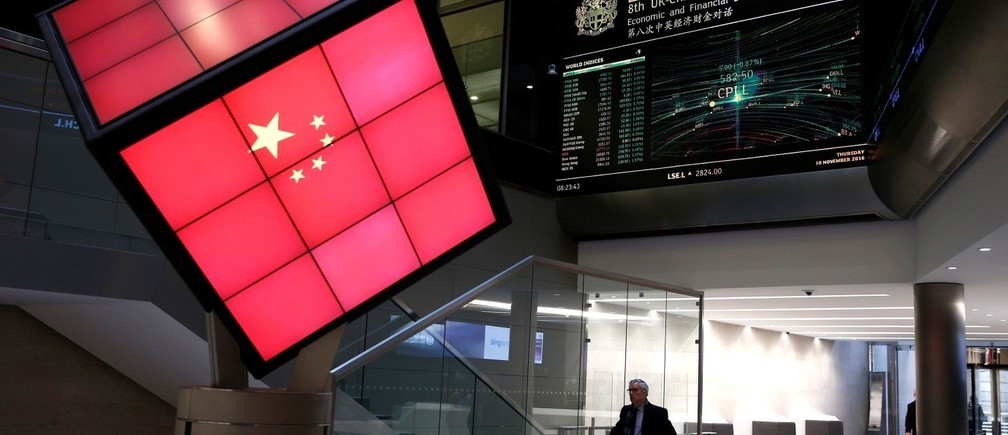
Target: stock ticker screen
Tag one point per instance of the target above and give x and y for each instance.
(669, 92)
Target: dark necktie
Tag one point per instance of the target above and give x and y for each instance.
(632, 426)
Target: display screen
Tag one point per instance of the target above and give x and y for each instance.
(471, 340)
(296, 196)
(678, 92)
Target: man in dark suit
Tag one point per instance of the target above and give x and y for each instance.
(640, 417)
(910, 423)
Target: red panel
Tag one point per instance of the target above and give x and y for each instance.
(242, 241)
(82, 16)
(307, 104)
(279, 191)
(331, 190)
(194, 165)
(237, 28)
(383, 61)
(367, 258)
(416, 141)
(285, 307)
(185, 13)
(444, 212)
(308, 7)
(140, 78)
(119, 40)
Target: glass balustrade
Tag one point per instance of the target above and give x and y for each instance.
(542, 348)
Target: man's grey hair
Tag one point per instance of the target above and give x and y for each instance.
(640, 384)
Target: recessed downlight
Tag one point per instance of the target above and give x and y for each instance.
(984, 249)
(953, 268)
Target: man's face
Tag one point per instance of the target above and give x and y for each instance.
(637, 394)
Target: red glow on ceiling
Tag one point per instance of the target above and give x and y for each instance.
(105, 47)
(447, 210)
(435, 141)
(350, 260)
(243, 241)
(383, 61)
(193, 166)
(237, 28)
(285, 307)
(140, 78)
(184, 13)
(332, 189)
(83, 16)
(104, 37)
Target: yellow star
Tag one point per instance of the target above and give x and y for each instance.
(327, 140)
(298, 175)
(269, 137)
(318, 122)
(317, 163)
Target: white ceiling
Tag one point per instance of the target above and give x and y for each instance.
(880, 311)
(861, 275)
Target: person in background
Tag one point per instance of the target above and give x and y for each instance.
(910, 423)
(975, 415)
(640, 417)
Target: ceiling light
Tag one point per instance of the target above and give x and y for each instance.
(863, 333)
(746, 298)
(806, 309)
(528, 86)
(863, 295)
(984, 249)
(814, 319)
(953, 268)
(473, 98)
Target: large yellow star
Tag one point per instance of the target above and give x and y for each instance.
(269, 137)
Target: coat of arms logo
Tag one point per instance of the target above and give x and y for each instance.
(595, 16)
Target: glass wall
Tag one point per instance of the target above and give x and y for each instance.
(637, 332)
(50, 186)
(548, 349)
(475, 31)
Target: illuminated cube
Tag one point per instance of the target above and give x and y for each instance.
(298, 161)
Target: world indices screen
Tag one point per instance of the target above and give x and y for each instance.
(676, 92)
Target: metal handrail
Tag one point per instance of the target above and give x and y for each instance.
(472, 368)
(421, 324)
(360, 360)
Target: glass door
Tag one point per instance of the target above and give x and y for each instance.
(1000, 412)
(988, 389)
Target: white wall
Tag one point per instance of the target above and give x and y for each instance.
(754, 374)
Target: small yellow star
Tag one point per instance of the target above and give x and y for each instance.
(298, 175)
(317, 163)
(327, 140)
(318, 122)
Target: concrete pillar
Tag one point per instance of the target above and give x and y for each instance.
(940, 337)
